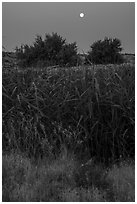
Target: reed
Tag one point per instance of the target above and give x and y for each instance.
(89, 109)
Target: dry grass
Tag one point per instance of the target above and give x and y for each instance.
(122, 179)
(89, 109)
(59, 118)
(58, 181)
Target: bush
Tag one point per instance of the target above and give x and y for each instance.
(106, 51)
(53, 50)
(68, 55)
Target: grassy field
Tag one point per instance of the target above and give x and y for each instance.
(66, 180)
(68, 133)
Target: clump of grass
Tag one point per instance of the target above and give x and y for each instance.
(91, 175)
(83, 195)
(24, 181)
(15, 170)
(122, 181)
(62, 180)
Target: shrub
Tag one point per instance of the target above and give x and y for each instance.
(68, 55)
(52, 50)
(106, 51)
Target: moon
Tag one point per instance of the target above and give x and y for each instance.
(82, 15)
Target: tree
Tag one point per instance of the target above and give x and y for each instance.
(52, 50)
(54, 44)
(106, 51)
(68, 55)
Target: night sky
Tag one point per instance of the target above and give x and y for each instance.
(21, 22)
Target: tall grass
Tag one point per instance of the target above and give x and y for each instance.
(61, 126)
(90, 110)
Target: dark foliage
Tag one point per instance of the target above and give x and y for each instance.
(106, 51)
(43, 109)
(68, 55)
(53, 50)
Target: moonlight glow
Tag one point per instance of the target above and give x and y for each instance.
(82, 15)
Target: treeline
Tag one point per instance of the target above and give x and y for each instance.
(54, 50)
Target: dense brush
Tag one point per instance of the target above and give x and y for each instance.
(89, 109)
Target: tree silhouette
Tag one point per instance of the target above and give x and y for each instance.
(52, 50)
(106, 51)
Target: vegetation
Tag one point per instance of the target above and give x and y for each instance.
(53, 50)
(106, 51)
(89, 109)
(68, 132)
(65, 180)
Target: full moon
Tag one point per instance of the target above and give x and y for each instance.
(81, 15)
